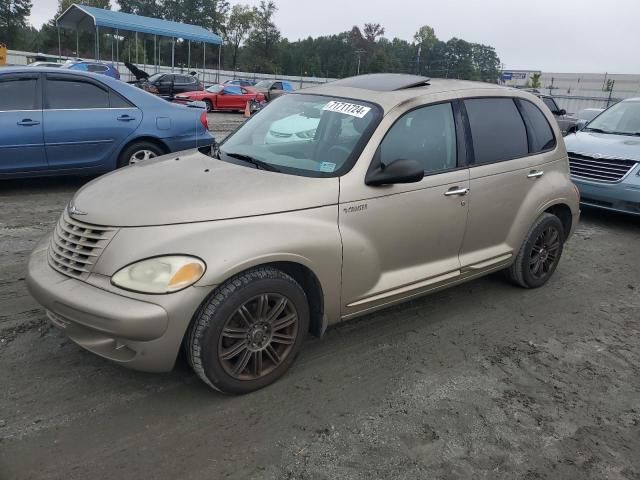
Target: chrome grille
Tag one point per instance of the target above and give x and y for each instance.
(75, 246)
(605, 169)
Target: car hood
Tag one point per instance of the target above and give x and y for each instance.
(193, 187)
(607, 145)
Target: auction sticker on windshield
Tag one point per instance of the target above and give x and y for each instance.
(352, 109)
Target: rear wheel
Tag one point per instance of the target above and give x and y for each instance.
(209, 105)
(540, 253)
(138, 152)
(249, 332)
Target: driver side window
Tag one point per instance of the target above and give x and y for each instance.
(426, 135)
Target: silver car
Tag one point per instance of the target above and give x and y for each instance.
(407, 186)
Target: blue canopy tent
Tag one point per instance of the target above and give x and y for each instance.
(91, 19)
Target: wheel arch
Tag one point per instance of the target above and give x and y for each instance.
(145, 138)
(563, 212)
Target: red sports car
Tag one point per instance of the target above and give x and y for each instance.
(223, 97)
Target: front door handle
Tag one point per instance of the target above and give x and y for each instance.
(456, 191)
(125, 118)
(27, 122)
(535, 174)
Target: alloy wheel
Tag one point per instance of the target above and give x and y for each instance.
(258, 336)
(141, 155)
(544, 253)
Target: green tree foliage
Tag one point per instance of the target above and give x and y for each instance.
(534, 81)
(13, 21)
(253, 43)
(241, 20)
(263, 40)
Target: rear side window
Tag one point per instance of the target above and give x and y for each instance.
(18, 94)
(117, 101)
(550, 103)
(426, 135)
(72, 94)
(497, 129)
(541, 136)
(98, 68)
(277, 85)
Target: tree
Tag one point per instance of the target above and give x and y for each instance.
(145, 8)
(372, 31)
(209, 14)
(241, 19)
(264, 36)
(534, 81)
(13, 20)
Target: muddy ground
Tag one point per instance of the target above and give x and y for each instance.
(484, 380)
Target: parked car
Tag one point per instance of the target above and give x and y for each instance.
(242, 82)
(577, 121)
(55, 121)
(93, 67)
(604, 157)
(223, 97)
(170, 84)
(46, 64)
(235, 256)
(272, 89)
(560, 114)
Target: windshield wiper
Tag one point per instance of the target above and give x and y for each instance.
(253, 161)
(597, 130)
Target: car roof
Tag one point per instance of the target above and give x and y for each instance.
(57, 71)
(391, 89)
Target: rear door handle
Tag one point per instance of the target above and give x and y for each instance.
(125, 118)
(456, 191)
(27, 122)
(535, 174)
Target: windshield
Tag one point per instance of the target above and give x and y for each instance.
(308, 135)
(263, 84)
(155, 77)
(214, 88)
(622, 119)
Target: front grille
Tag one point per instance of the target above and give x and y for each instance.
(607, 170)
(75, 246)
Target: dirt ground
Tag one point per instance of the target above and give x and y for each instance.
(483, 381)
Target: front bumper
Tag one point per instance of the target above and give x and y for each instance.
(620, 197)
(135, 332)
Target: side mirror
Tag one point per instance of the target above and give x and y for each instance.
(561, 112)
(399, 171)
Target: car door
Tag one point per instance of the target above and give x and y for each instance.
(506, 178)
(85, 122)
(401, 240)
(231, 98)
(21, 125)
(166, 84)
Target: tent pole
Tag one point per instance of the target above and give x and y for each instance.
(112, 38)
(136, 48)
(59, 45)
(144, 53)
(77, 45)
(173, 52)
(219, 57)
(98, 42)
(117, 47)
(189, 57)
(204, 60)
(155, 64)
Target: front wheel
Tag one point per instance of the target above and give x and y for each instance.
(209, 105)
(249, 332)
(540, 253)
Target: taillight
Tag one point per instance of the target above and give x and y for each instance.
(204, 120)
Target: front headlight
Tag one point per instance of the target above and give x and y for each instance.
(160, 274)
(307, 134)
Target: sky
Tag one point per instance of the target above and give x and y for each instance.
(586, 36)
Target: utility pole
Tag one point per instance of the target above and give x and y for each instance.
(358, 53)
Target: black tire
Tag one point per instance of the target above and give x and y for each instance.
(213, 335)
(135, 148)
(209, 105)
(540, 253)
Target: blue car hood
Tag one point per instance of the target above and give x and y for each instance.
(607, 145)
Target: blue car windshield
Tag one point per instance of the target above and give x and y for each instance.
(308, 135)
(622, 119)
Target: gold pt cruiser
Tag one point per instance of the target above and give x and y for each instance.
(332, 202)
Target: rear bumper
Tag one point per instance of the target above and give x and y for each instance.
(620, 197)
(136, 333)
(178, 144)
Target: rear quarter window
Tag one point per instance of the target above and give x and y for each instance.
(541, 135)
(497, 129)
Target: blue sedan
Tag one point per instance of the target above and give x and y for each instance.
(56, 122)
